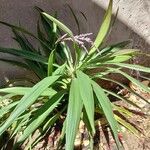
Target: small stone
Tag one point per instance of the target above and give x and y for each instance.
(86, 143)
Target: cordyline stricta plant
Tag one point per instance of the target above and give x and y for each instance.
(66, 90)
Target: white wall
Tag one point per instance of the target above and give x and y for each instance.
(133, 20)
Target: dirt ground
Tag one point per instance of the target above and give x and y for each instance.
(143, 142)
(103, 139)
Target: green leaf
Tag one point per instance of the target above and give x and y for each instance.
(122, 98)
(104, 52)
(136, 82)
(20, 123)
(49, 28)
(86, 121)
(103, 29)
(107, 109)
(67, 52)
(125, 52)
(62, 135)
(88, 126)
(7, 108)
(127, 125)
(58, 23)
(40, 115)
(104, 60)
(26, 46)
(113, 48)
(122, 110)
(60, 70)
(87, 96)
(118, 59)
(126, 87)
(28, 99)
(24, 90)
(73, 114)
(48, 124)
(50, 64)
(132, 66)
(25, 54)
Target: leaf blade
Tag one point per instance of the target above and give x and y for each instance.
(87, 96)
(104, 28)
(73, 114)
(58, 23)
(28, 99)
(132, 66)
(107, 109)
(41, 115)
(25, 54)
(50, 64)
(24, 90)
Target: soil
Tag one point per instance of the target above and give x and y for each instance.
(103, 139)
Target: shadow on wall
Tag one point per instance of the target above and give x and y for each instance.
(17, 11)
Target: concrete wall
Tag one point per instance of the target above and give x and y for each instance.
(133, 21)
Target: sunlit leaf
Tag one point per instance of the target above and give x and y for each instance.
(48, 124)
(6, 109)
(50, 64)
(60, 70)
(87, 96)
(122, 98)
(126, 87)
(132, 66)
(58, 23)
(118, 59)
(133, 80)
(28, 99)
(125, 52)
(73, 114)
(122, 110)
(103, 29)
(24, 90)
(113, 48)
(40, 115)
(107, 109)
(127, 125)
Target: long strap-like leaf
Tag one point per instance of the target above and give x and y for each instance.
(24, 90)
(28, 99)
(25, 54)
(107, 109)
(86, 92)
(41, 114)
(63, 27)
(104, 29)
(133, 80)
(73, 114)
(132, 66)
